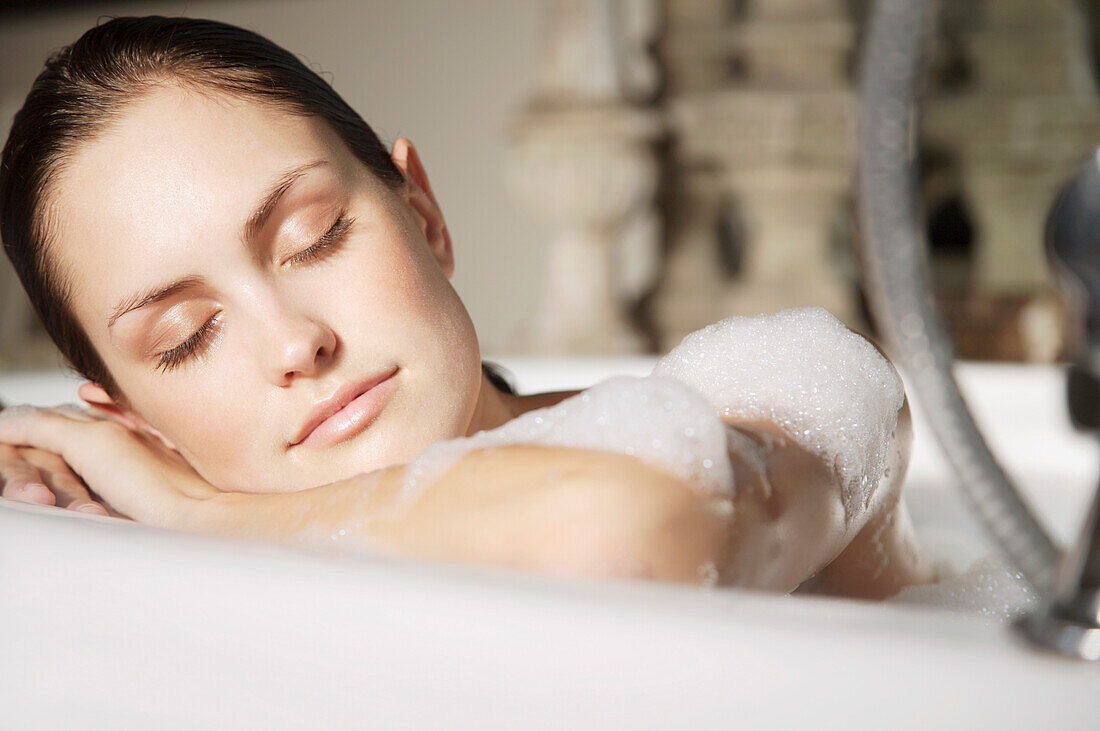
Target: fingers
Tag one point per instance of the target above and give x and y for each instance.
(21, 480)
(109, 457)
(34, 471)
(33, 476)
(64, 431)
(68, 489)
(133, 471)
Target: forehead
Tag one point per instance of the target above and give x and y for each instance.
(176, 173)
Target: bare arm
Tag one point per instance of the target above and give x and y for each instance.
(560, 511)
(790, 522)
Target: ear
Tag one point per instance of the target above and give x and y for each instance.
(97, 397)
(424, 203)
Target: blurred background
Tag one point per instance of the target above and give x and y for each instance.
(618, 173)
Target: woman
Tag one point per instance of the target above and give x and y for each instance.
(257, 292)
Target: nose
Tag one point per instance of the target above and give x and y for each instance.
(298, 345)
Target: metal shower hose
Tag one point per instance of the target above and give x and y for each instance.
(896, 278)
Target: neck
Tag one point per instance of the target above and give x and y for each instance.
(495, 408)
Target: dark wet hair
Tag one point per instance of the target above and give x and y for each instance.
(86, 85)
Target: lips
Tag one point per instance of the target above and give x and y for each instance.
(347, 412)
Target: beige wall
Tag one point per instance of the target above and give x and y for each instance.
(444, 74)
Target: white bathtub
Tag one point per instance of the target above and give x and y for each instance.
(108, 624)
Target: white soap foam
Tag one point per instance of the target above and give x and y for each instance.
(802, 369)
(989, 588)
(659, 420)
(972, 577)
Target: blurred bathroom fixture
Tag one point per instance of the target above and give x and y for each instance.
(582, 158)
(1007, 326)
(1018, 125)
(1011, 100)
(757, 105)
(1069, 619)
(761, 109)
(896, 270)
(898, 286)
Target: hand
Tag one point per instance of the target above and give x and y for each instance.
(35, 476)
(132, 471)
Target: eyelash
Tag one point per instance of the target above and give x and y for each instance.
(175, 357)
(325, 245)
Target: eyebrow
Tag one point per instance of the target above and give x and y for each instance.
(151, 296)
(255, 224)
(270, 201)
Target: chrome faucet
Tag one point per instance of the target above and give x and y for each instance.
(895, 268)
(1068, 620)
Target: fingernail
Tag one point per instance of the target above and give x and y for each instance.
(35, 492)
(33, 487)
(92, 508)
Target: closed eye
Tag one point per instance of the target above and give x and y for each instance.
(327, 244)
(194, 345)
(200, 340)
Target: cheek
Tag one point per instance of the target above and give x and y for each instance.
(415, 316)
(213, 426)
(452, 364)
(447, 339)
(402, 303)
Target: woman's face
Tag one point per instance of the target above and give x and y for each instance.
(243, 277)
